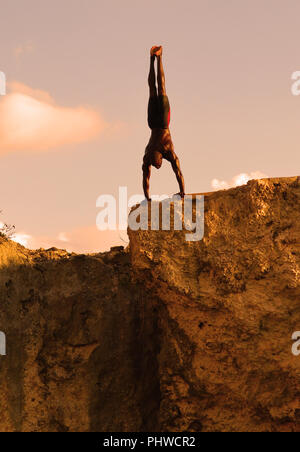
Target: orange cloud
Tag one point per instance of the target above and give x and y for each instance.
(30, 120)
(80, 240)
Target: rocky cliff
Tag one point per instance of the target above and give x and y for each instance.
(167, 335)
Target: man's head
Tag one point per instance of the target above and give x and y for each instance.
(156, 159)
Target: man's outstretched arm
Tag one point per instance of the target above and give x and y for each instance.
(173, 159)
(146, 179)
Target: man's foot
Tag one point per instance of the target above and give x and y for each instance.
(153, 50)
(156, 51)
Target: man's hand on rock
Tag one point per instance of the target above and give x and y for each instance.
(181, 194)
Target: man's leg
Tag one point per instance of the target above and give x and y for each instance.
(164, 104)
(152, 103)
(151, 77)
(160, 74)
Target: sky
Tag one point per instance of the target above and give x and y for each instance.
(73, 122)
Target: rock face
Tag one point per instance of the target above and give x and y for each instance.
(70, 323)
(167, 335)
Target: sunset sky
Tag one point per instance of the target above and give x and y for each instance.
(73, 123)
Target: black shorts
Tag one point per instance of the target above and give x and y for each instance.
(159, 112)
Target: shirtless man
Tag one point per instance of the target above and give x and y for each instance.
(160, 145)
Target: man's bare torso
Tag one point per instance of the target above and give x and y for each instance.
(160, 140)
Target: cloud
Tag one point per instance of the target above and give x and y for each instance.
(21, 238)
(79, 240)
(30, 120)
(23, 49)
(236, 181)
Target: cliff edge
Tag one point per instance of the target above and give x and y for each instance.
(167, 335)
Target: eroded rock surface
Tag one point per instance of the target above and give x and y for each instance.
(167, 335)
(226, 310)
(70, 323)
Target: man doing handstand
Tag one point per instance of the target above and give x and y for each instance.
(160, 145)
